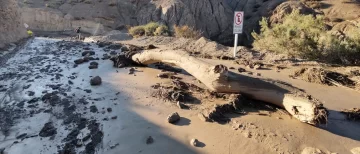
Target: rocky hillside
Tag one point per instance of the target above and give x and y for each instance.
(11, 29)
(212, 17)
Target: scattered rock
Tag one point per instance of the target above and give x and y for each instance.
(114, 117)
(202, 117)
(93, 109)
(181, 105)
(78, 61)
(31, 93)
(241, 70)
(131, 71)
(149, 47)
(48, 130)
(173, 118)
(231, 68)
(70, 82)
(113, 52)
(79, 143)
(94, 63)
(112, 147)
(89, 53)
(194, 142)
(258, 74)
(109, 109)
(87, 90)
(95, 81)
(93, 66)
(247, 134)
(21, 136)
(257, 66)
(149, 140)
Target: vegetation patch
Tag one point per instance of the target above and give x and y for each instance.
(186, 32)
(306, 36)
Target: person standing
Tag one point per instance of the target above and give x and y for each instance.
(77, 30)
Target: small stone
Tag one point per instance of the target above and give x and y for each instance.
(114, 117)
(194, 142)
(95, 81)
(109, 109)
(87, 90)
(31, 93)
(202, 117)
(181, 105)
(131, 71)
(79, 143)
(257, 66)
(149, 140)
(247, 134)
(93, 66)
(70, 82)
(21, 136)
(78, 61)
(94, 63)
(174, 117)
(149, 47)
(231, 68)
(250, 73)
(241, 70)
(258, 74)
(89, 53)
(106, 119)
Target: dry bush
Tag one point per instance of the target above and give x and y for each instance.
(137, 31)
(186, 32)
(305, 36)
(162, 30)
(150, 29)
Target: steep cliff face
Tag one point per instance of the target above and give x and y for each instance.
(11, 29)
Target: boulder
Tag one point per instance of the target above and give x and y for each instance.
(173, 118)
(95, 81)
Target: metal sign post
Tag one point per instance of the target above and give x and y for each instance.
(238, 27)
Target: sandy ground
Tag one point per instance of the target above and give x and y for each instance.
(44, 63)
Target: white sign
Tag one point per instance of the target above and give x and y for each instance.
(26, 25)
(238, 22)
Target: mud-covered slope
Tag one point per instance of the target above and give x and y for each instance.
(11, 29)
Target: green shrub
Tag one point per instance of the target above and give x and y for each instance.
(162, 30)
(150, 28)
(186, 32)
(305, 36)
(137, 31)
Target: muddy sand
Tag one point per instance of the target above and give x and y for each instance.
(49, 106)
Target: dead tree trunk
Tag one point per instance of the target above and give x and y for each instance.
(217, 78)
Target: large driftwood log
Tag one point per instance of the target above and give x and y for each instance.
(217, 78)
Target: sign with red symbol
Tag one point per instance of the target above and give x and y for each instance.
(238, 22)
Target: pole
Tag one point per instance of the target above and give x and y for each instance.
(235, 44)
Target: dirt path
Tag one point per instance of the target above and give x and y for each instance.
(119, 115)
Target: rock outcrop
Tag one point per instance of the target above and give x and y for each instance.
(11, 28)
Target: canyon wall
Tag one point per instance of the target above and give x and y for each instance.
(11, 27)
